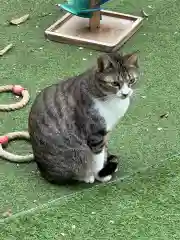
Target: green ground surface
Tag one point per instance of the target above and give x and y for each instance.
(146, 204)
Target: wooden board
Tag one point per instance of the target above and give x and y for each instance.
(115, 30)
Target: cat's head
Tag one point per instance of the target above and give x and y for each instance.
(117, 74)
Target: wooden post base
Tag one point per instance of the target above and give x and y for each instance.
(116, 28)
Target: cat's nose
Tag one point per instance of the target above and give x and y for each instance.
(124, 95)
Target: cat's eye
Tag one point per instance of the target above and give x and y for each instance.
(116, 84)
(132, 81)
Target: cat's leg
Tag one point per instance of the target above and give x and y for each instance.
(88, 175)
(99, 151)
(110, 163)
(98, 165)
(97, 144)
(112, 160)
(85, 173)
(110, 167)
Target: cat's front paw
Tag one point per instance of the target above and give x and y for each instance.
(90, 179)
(104, 179)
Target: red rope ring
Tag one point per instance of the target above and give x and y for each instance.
(4, 140)
(17, 90)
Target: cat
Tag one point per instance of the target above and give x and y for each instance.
(69, 121)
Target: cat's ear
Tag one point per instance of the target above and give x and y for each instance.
(102, 63)
(131, 59)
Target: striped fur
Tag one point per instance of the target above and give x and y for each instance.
(67, 129)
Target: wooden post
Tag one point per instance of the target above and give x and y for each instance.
(94, 21)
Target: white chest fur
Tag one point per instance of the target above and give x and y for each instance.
(112, 110)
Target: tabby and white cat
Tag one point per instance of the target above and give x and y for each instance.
(69, 121)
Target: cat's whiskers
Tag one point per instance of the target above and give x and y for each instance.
(136, 93)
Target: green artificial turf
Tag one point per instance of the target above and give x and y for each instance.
(145, 205)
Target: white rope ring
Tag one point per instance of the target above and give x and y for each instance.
(13, 157)
(17, 90)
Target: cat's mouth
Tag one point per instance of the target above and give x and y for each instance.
(124, 95)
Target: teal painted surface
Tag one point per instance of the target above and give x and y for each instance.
(80, 8)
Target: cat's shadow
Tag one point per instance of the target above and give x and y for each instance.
(77, 186)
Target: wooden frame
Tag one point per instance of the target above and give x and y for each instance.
(115, 29)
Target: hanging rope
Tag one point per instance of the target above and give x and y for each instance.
(4, 140)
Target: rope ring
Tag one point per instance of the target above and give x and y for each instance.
(17, 90)
(4, 140)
